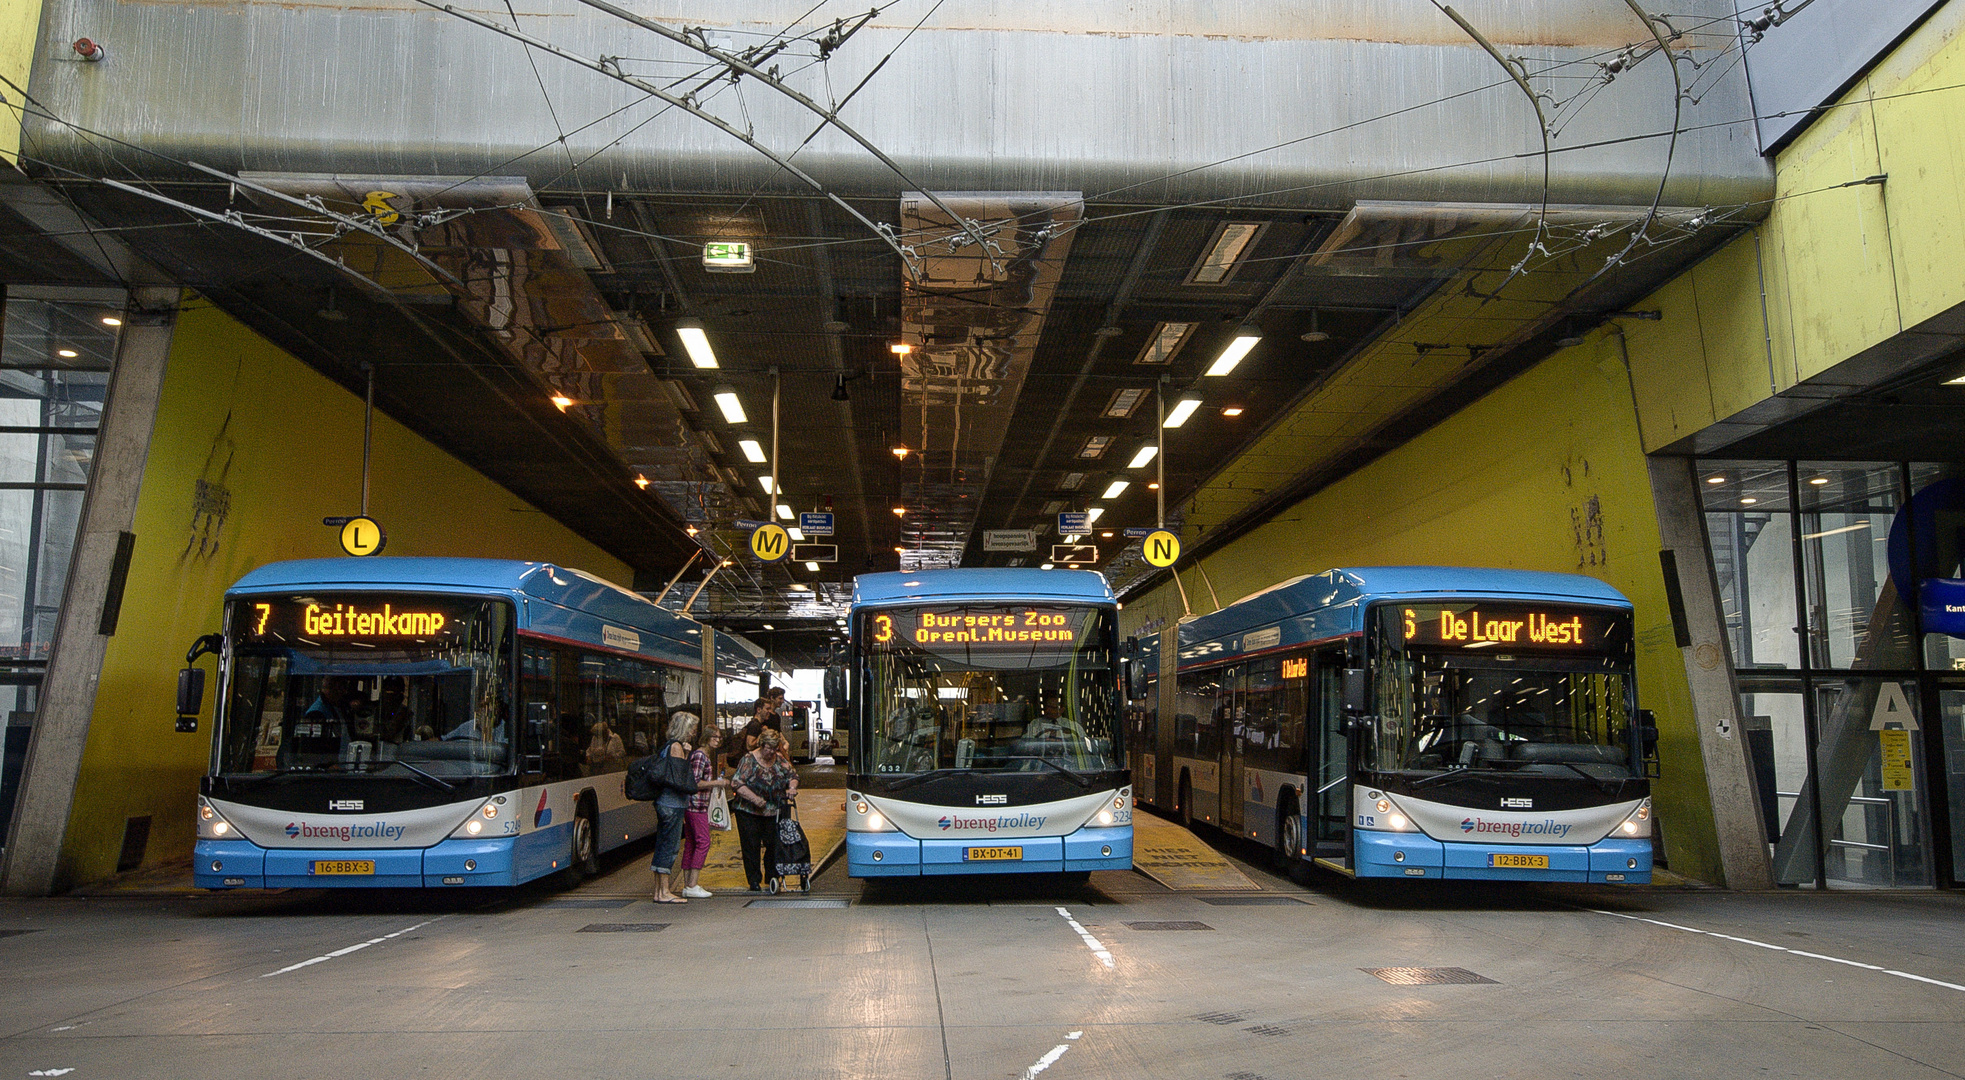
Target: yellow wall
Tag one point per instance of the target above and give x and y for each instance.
(286, 444)
(1510, 481)
(20, 23)
(1845, 268)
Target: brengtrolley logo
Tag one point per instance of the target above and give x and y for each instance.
(381, 830)
(991, 824)
(1515, 828)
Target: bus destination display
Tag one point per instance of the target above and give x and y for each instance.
(1014, 628)
(327, 619)
(1479, 626)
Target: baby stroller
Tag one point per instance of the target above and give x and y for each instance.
(792, 855)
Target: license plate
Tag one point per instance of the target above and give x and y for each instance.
(1518, 862)
(993, 854)
(326, 867)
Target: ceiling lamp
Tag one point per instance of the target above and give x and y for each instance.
(733, 409)
(1116, 489)
(691, 530)
(1182, 409)
(765, 483)
(696, 343)
(812, 566)
(1245, 339)
(900, 348)
(1314, 335)
(784, 512)
(1092, 515)
(641, 481)
(1145, 455)
(901, 452)
(560, 400)
(753, 450)
(1232, 410)
(900, 511)
(111, 320)
(796, 533)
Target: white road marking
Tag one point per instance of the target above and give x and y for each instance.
(1046, 1061)
(1098, 949)
(1785, 949)
(51, 1072)
(325, 957)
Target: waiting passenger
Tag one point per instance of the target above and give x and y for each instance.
(763, 784)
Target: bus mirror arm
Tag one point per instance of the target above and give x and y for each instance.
(1647, 740)
(1356, 692)
(191, 682)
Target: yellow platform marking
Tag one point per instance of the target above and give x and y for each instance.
(1176, 858)
(823, 813)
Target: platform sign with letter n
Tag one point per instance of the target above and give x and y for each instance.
(1161, 548)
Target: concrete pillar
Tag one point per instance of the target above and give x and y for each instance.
(33, 864)
(1709, 669)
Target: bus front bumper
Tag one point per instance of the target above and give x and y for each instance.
(896, 854)
(1612, 861)
(242, 864)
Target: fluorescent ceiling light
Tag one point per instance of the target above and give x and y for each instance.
(1124, 401)
(1959, 381)
(697, 344)
(1115, 489)
(1166, 341)
(1182, 409)
(1145, 455)
(1071, 481)
(1095, 446)
(785, 512)
(812, 566)
(753, 450)
(733, 409)
(1047, 566)
(1232, 355)
(765, 483)
(1092, 514)
(796, 533)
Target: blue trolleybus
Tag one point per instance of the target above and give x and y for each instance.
(1407, 722)
(434, 722)
(985, 730)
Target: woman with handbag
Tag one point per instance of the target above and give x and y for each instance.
(763, 783)
(679, 787)
(696, 822)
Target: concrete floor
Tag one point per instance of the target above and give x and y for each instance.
(985, 979)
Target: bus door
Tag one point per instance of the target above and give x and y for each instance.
(1234, 744)
(1330, 763)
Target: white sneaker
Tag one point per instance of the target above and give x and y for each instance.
(697, 892)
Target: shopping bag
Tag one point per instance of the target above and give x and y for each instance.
(719, 809)
(794, 851)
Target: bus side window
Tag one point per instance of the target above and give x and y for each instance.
(537, 687)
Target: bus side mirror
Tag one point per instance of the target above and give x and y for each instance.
(1647, 739)
(835, 688)
(1357, 691)
(190, 697)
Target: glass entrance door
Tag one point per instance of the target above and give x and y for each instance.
(1951, 723)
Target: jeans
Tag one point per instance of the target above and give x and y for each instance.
(695, 839)
(759, 836)
(668, 836)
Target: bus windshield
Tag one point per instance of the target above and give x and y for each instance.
(368, 684)
(1510, 705)
(1001, 688)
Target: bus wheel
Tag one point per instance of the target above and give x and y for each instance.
(1184, 797)
(585, 861)
(1289, 838)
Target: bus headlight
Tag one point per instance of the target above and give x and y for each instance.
(212, 824)
(1105, 816)
(474, 826)
(1384, 806)
(490, 810)
(1397, 822)
(865, 818)
(1639, 823)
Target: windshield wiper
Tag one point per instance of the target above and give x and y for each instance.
(1074, 776)
(1441, 778)
(1600, 783)
(918, 778)
(433, 779)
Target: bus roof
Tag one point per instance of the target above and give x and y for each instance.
(982, 584)
(1351, 588)
(575, 590)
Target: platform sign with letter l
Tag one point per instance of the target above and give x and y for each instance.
(1009, 540)
(815, 524)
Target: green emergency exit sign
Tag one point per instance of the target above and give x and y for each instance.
(727, 257)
